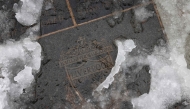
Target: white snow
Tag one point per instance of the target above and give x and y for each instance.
(165, 86)
(170, 77)
(24, 77)
(19, 59)
(124, 47)
(29, 12)
(142, 14)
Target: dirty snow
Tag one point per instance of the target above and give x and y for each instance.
(19, 60)
(170, 77)
(28, 11)
(124, 47)
(142, 14)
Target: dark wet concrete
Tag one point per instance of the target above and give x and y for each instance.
(58, 17)
(85, 10)
(53, 84)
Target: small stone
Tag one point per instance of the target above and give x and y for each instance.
(111, 22)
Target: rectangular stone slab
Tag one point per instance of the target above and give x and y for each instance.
(78, 59)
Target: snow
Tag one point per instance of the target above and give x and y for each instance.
(124, 47)
(26, 76)
(29, 12)
(19, 60)
(170, 77)
(142, 14)
(165, 83)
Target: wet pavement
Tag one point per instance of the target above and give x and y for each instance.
(77, 37)
(78, 59)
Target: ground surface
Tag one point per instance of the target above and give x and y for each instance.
(54, 86)
(78, 47)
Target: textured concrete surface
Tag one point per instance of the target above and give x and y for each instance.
(53, 84)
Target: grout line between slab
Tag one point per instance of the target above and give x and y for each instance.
(159, 19)
(71, 13)
(77, 25)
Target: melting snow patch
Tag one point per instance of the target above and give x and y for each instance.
(124, 47)
(19, 61)
(29, 12)
(170, 77)
(142, 14)
(165, 88)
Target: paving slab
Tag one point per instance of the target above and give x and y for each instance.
(55, 17)
(78, 59)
